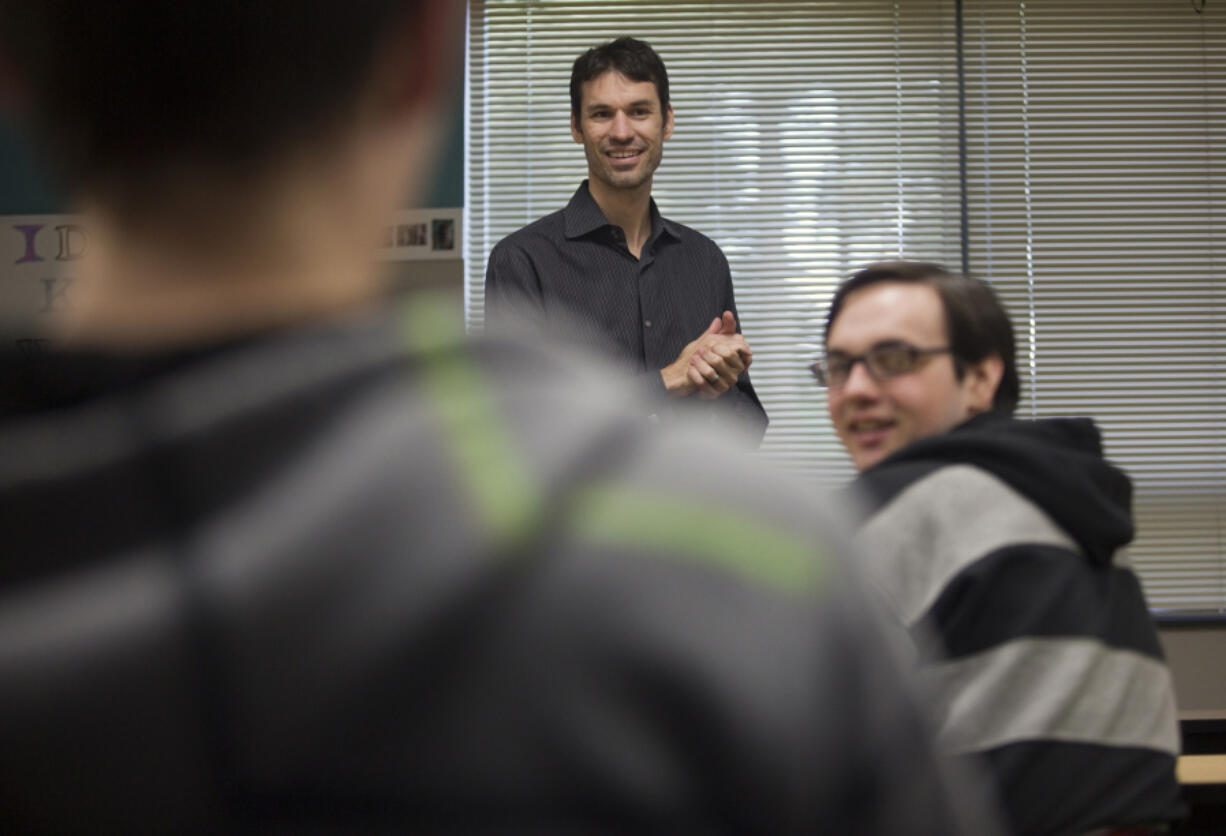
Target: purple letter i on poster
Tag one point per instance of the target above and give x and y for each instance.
(29, 231)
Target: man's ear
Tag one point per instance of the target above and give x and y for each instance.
(13, 98)
(981, 381)
(668, 122)
(575, 133)
(421, 58)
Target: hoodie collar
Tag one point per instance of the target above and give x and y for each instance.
(1057, 463)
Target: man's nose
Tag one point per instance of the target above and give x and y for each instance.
(621, 128)
(859, 382)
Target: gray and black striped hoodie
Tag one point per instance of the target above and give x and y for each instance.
(1001, 547)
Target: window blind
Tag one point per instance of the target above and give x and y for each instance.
(1097, 185)
(810, 138)
(814, 137)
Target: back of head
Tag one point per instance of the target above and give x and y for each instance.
(975, 320)
(634, 59)
(127, 93)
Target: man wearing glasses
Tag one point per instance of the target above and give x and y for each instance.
(998, 544)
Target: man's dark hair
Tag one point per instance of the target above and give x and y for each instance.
(634, 59)
(124, 91)
(976, 323)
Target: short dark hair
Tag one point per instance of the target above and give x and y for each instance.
(123, 91)
(976, 323)
(634, 59)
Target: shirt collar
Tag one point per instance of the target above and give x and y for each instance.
(582, 216)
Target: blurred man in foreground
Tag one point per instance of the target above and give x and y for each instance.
(1002, 540)
(281, 555)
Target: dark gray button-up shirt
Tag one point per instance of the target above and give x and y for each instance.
(573, 269)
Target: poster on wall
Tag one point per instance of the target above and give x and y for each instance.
(39, 256)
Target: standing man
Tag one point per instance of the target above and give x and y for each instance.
(611, 270)
(284, 555)
(1003, 540)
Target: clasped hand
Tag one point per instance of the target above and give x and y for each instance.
(710, 365)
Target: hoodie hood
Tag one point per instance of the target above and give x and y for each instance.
(1057, 463)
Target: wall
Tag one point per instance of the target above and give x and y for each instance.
(1197, 657)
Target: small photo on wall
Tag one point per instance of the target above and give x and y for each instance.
(444, 234)
(411, 235)
(427, 234)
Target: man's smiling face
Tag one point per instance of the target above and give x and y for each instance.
(876, 417)
(622, 128)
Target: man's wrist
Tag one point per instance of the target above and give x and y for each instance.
(676, 382)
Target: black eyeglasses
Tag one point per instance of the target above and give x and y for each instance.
(883, 361)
